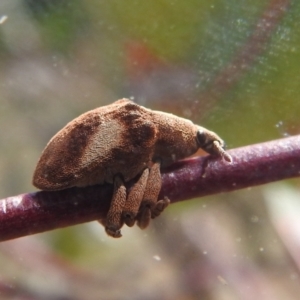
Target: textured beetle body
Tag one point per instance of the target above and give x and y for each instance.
(96, 146)
(121, 140)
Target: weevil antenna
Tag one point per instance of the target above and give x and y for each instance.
(222, 152)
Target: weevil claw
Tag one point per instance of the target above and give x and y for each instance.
(128, 218)
(115, 233)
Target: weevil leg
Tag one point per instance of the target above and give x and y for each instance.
(134, 199)
(150, 207)
(160, 207)
(144, 217)
(114, 220)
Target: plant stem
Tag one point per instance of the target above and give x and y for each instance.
(196, 177)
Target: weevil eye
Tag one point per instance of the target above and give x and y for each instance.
(202, 138)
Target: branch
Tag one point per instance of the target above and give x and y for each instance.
(196, 177)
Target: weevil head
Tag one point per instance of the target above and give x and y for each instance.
(179, 138)
(211, 143)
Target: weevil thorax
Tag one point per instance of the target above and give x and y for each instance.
(176, 137)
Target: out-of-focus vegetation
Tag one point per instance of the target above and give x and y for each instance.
(232, 66)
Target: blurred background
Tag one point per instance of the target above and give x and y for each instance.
(231, 66)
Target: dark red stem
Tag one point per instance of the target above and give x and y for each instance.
(252, 165)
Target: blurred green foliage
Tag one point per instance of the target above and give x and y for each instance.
(60, 22)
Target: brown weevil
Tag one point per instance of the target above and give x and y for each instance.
(117, 143)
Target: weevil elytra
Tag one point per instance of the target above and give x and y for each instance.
(116, 143)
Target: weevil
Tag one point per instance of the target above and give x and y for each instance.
(115, 144)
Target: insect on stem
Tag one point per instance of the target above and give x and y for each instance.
(118, 143)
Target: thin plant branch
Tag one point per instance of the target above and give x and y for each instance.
(196, 177)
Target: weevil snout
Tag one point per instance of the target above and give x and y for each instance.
(212, 144)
